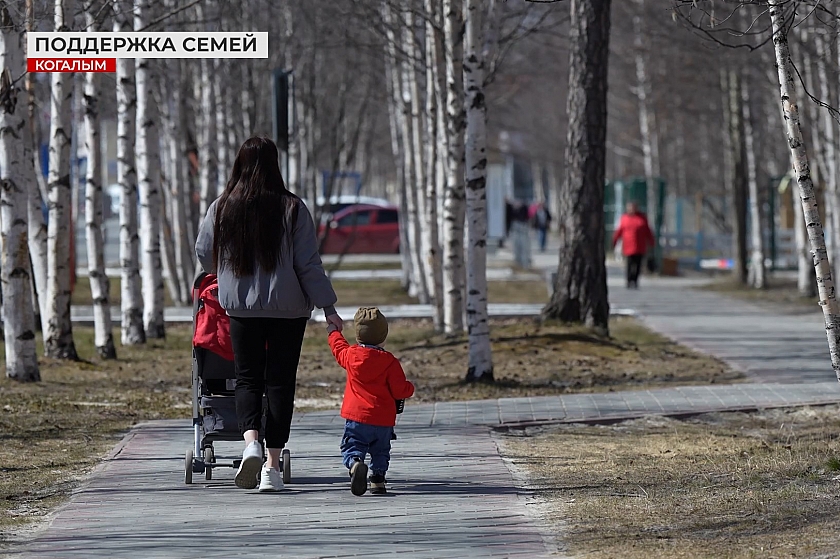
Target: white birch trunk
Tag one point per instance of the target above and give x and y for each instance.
(393, 86)
(414, 159)
(58, 337)
(453, 210)
(423, 246)
(646, 118)
(825, 281)
(756, 276)
(480, 366)
(103, 329)
(206, 138)
(180, 191)
(434, 258)
(829, 155)
(222, 151)
(37, 188)
(148, 186)
(131, 298)
(15, 178)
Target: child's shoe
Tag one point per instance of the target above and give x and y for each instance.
(377, 484)
(358, 478)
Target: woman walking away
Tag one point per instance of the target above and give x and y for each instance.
(260, 240)
(636, 237)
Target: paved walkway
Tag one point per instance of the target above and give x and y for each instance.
(452, 495)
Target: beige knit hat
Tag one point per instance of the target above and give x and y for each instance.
(371, 326)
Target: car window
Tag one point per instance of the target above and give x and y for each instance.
(387, 216)
(355, 218)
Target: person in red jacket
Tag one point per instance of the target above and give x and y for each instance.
(636, 237)
(375, 383)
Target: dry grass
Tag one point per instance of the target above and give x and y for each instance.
(55, 431)
(780, 292)
(530, 359)
(363, 292)
(732, 485)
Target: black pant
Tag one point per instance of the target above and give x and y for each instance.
(266, 352)
(634, 267)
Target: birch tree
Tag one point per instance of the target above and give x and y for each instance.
(18, 318)
(148, 177)
(480, 366)
(103, 335)
(799, 155)
(206, 131)
(757, 275)
(131, 298)
(413, 145)
(58, 337)
(647, 120)
(434, 178)
(829, 152)
(580, 287)
(454, 197)
(37, 188)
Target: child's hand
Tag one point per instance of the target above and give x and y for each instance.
(331, 328)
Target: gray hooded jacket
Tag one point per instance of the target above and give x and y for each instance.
(295, 286)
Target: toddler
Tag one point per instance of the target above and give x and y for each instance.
(375, 381)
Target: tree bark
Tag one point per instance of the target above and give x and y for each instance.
(580, 288)
(434, 184)
(148, 181)
(650, 139)
(829, 152)
(739, 180)
(15, 176)
(454, 196)
(222, 150)
(103, 329)
(58, 337)
(757, 276)
(393, 85)
(37, 226)
(480, 367)
(131, 298)
(816, 236)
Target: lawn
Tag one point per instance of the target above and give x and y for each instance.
(734, 485)
(364, 292)
(54, 432)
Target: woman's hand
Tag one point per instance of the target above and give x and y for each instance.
(335, 320)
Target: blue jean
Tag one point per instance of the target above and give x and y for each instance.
(361, 439)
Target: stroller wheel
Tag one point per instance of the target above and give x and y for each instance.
(209, 458)
(188, 467)
(287, 466)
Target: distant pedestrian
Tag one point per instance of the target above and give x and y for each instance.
(636, 238)
(376, 387)
(541, 221)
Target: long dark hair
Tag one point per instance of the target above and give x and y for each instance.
(256, 214)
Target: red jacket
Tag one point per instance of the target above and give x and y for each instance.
(635, 234)
(375, 380)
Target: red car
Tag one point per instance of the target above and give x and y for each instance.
(362, 229)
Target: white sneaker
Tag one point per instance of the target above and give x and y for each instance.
(252, 459)
(270, 480)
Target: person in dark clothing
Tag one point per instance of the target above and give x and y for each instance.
(636, 237)
(541, 221)
(260, 240)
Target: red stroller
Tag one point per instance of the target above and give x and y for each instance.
(213, 385)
